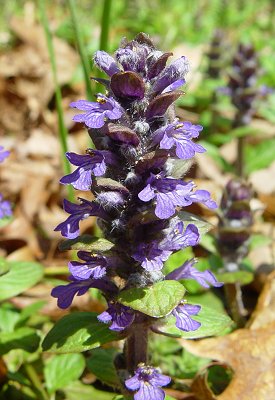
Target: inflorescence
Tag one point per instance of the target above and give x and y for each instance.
(135, 175)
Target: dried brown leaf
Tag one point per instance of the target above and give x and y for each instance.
(22, 254)
(210, 169)
(34, 36)
(264, 313)
(249, 352)
(263, 180)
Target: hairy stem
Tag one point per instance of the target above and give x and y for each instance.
(136, 347)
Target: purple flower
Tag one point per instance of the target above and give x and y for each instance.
(148, 382)
(176, 238)
(175, 85)
(70, 227)
(119, 315)
(5, 208)
(106, 63)
(172, 73)
(65, 293)
(3, 154)
(94, 266)
(132, 59)
(170, 193)
(97, 113)
(204, 197)
(92, 163)
(179, 135)
(187, 271)
(151, 256)
(183, 320)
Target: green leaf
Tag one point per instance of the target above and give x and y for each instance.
(178, 258)
(214, 152)
(77, 332)
(221, 138)
(247, 265)
(213, 323)
(79, 391)
(259, 156)
(23, 338)
(217, 377)
(259, 240)
(87, 243)
(101, 364)
(62, 369)
(9, 316)
(208, 299)
(188, 218)
(209, 243)
(157, 300)
(242, 277)
(5, 221)
(173, 360)
(215, 262)
(13, 391)
(18, 377)
(120, 397)
(21, 276)
(30, 311)
(191, 364)
(180, 167)
(4, 266)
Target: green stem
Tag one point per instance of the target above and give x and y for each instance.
(62, 130)
(84, 60)
(34, 378)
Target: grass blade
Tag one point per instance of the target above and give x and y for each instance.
(105, 25)
(62, 130)
(84, 59)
